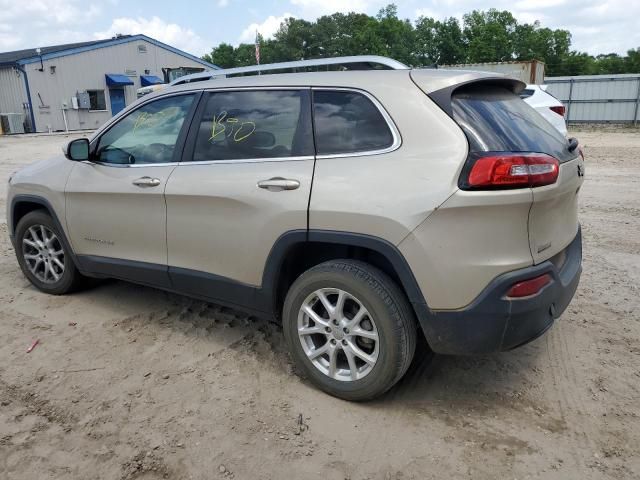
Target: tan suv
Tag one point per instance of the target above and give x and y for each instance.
(362, 208)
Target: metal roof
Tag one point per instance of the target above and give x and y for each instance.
(30, 55)
(17, 55)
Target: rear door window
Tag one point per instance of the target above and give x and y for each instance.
(255, 124)
(497, 120)
(348, 122)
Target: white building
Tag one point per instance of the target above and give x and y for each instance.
(81, 85)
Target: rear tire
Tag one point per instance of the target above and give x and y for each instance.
(43, 255)
(349, 328)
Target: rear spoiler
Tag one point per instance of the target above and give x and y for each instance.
(442, 97)
(440, 84)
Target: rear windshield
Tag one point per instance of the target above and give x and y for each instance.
(497, 120)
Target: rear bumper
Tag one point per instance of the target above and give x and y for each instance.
(493, 323)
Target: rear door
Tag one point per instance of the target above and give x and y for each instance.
(245, 180)
(497, 120)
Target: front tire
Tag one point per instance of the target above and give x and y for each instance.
(349, 328)
(43, 255)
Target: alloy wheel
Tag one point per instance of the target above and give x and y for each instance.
(43, 254)
(338, 334)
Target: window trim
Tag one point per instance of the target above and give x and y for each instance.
(180, 141)
(196, 114)
(249, 160)
(190, 147)
(395, 133)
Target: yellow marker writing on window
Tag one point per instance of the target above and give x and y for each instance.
(217, 126)
(245, 130)
(142, 118)
(239, 129)
(148, 120)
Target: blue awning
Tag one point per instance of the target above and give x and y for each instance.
(117, 80)
(146, 80)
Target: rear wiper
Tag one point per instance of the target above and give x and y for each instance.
(573, 144)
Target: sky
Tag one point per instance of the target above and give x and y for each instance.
(598, 26)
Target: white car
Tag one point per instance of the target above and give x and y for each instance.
(547, 105)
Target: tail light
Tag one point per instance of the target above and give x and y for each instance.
(509, 170)
(529, 287)
(559, 110)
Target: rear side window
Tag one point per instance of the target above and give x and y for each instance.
(497, 120)
(348, 122)
(255, 125)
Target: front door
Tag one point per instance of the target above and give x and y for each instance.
(116, 214)
(245, 180)
(116, 95)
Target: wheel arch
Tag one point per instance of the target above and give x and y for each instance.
(297, 251)
(21, 205)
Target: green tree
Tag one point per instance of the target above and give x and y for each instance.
(439, 42)
(632, 61)
(575, 63)
(223, 56)
(396, 36)
(484, 36)
(489, 35)
(245, 54)
(560, 50)
(535, 43)
(451, 41)
(339, 35)
(610, 63)
(291, 38)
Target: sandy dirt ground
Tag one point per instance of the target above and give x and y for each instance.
(133, 383)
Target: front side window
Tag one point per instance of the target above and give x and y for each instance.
(256, 124)
(147, 135)
(97, 100)
(348, 122)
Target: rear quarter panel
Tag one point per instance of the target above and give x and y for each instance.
(471, 239)
(388, 195)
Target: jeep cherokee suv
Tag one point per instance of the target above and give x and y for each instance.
(362, 208)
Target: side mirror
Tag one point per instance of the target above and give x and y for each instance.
(77, 150)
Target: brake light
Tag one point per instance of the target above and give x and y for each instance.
(529, 287)
(559, 110)
(512, 170)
